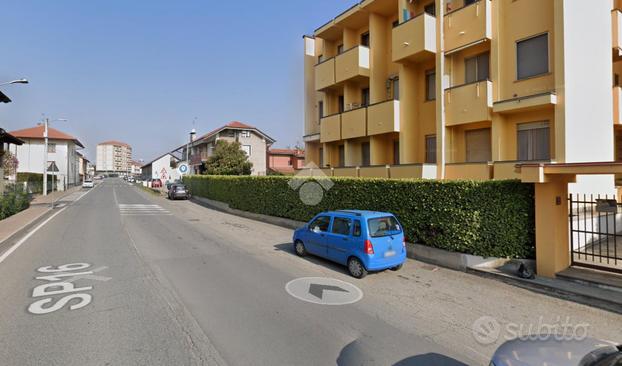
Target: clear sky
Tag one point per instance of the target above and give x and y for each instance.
(140, 71)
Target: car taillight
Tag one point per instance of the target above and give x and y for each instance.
(404, 242)
(369, 249)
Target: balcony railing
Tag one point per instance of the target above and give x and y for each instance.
(468, 103)
(471, 171)
(354, 123)
(330, 128)
(325, 74)
(414, 39)
(617, 105)
(468, 25)
(383, 117)
(504, 170)
(352, 64)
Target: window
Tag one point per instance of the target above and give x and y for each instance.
(616, 79)
(357, 228)
(365, 39)
(396, 152)
(365, 97)
(476, 68)
(245, 134)
(365, 154)
(532, 56)
(430, 149)
(469, 2)
(533, 141)
(320, 108)
(320, 224)
(321, 152)
(478, 145)
(383, 226)
(247, 149)
(430, 85)
(341, 226)
(342, 104)
(430, 9)
(396, 88)
(340, 49)
(51, 148)
(342, 156)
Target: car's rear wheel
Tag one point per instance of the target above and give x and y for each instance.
(397, 268)
(356, 268)
(300, 249)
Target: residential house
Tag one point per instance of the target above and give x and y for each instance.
(135, 167)
(465, 89)
(83, 163)
(62, 151)
(163, 167)
(113, 157)
(285, 161)
(5, 139)
(253, 141)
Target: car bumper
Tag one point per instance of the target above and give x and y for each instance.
(380, 264)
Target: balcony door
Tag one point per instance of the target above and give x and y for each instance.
(342, 156)
(533, 141)
(365, 154)
(478, 145)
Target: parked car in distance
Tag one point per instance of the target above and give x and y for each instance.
(178, 191)
(131, 180)
(551, 351)
(88, 184)
(362, 240)
(170, 184)
(156, 183)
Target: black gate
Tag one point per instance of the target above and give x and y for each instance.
(596, 232)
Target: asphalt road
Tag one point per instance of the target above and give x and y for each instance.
(154, 282)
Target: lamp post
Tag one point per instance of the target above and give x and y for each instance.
(19, 81)
(46, 123)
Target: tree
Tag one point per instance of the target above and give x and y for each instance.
(228, 159)
(9, 164)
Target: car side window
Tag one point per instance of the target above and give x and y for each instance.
(320, 224)
(341, 226)
(357, 228)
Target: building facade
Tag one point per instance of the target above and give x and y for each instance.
(285, 161)
(254, 142)
(62, 152)
(163, 167)
(113, 157)
(464, 89)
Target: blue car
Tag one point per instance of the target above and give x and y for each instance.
(362, 240)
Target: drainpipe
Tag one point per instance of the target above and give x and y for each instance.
(440, 89)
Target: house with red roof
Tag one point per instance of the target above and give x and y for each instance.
(62, 153)
(285, 161)
(254, 142)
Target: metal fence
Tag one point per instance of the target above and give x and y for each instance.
(596, 232)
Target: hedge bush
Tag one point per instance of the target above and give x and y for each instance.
(490, 218)
(13, 202)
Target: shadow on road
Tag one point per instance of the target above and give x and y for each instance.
(359, 352)
(289, 248)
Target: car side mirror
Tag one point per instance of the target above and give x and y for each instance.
(316, 230)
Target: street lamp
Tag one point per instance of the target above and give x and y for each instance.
(46, 122)
(19, 81)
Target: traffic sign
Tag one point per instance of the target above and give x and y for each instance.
(183, 168)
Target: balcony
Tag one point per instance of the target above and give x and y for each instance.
(504, 170)
(468, 25)
(330, 128)
(469, 171)
(352, 65)
(468, 103)
(354, 123)
(616, 35)
(617, 105)
(415, 39)
(410, 171)
(383, 117)
(325, 74)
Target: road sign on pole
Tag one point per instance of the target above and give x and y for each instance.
(183, 169)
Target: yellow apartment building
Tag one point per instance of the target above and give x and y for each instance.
(520, 81)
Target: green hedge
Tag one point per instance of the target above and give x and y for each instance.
(35, 181)
(491, 218)
(12, 202)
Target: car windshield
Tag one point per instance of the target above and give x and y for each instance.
(180, 188)
(383, 226)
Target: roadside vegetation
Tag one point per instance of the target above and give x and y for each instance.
(490, 218)
(13, 200)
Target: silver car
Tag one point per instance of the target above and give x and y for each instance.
(553, 352)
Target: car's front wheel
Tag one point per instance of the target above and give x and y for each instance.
(356, 268)
(300, 249)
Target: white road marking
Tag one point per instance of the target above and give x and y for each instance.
(142, 210)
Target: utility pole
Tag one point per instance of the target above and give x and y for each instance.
(45, 157)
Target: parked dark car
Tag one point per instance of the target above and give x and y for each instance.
(170, 184)
(178, 191)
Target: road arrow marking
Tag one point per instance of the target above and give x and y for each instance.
(318, 290)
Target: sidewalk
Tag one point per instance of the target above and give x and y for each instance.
(39, 206)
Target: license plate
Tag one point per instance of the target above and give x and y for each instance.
(389, 253)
